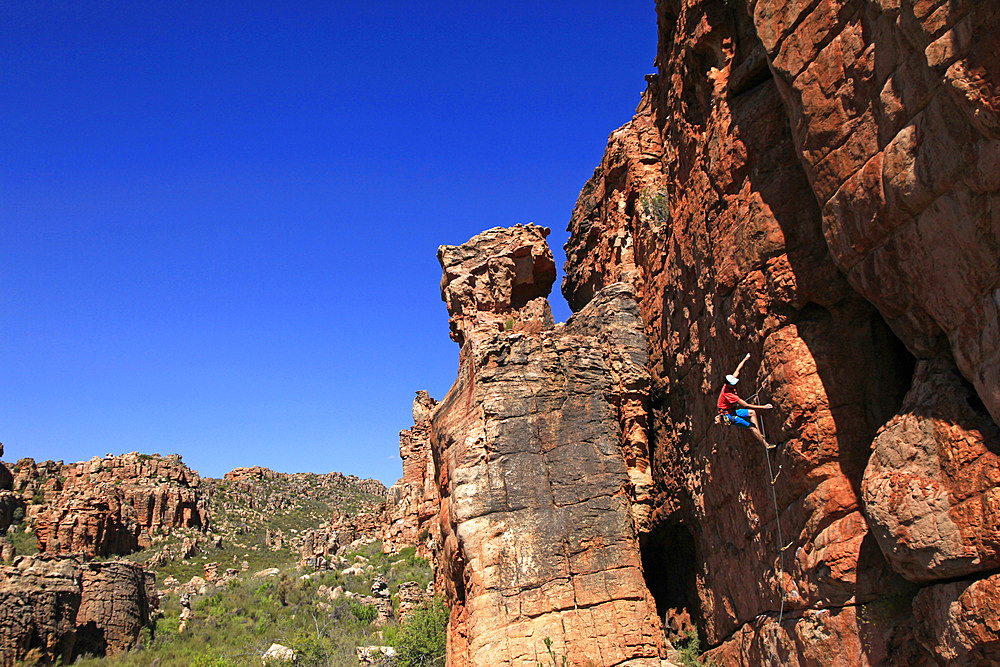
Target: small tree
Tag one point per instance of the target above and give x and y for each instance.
(421, 642)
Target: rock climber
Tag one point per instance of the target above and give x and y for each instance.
(745, 414)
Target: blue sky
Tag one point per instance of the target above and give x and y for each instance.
(220, 220)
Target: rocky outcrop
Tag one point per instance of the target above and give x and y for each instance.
(55, 608)
(251, 496)
(414, 501)
(116, 602)
(318, 546)
(538, 529)
(932, 488)
(811, 183)
(959, 622)
(498, 284)
(895, 110)
(113, 505)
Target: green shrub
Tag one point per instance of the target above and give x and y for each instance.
(18, 514)
(655, 205)
(422, 638)
(690, 651)
(211, 661)
(25, 542)
(364, 612)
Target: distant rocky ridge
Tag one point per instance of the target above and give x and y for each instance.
(110, 505)
(144, 504)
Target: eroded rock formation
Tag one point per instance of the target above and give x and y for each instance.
(538, 507)
(414, 501)
(318, 546)
(55, 608)
(816, 184)
(110, 505)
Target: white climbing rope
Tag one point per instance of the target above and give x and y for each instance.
(777, 523)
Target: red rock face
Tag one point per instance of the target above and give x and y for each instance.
(500, 284)
(959, 622)
(932, 488)
(73, 608)
(752, 205)
(895, 107)
(537, 524)
(113, 505)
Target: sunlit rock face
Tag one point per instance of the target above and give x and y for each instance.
(111, 505)
(536, 446)
(413, 502)
(932, 488)
(895, 109)
(812, 183)
(54, 608)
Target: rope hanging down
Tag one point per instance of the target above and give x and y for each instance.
(781, 541)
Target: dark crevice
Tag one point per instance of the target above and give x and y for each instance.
(669, 563)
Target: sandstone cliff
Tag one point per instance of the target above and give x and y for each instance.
(816, 184)
(540, 462)
(53, 609)
(110, 505)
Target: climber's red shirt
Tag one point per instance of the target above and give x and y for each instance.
(728, 400)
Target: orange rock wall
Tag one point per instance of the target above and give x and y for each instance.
(110, 505)
(538, 508)
(811, 183)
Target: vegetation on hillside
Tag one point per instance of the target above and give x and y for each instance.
(256, 526)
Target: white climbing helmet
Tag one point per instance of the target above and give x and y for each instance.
(732, 379)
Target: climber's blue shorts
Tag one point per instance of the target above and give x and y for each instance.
(741, 418)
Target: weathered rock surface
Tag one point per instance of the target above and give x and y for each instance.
(498, 284)
(413, 502)
(538, 533)
(116, 601)
(700, 202)
(113, 505)
(55, 608)
(959, 622)
(318, 546)
(797, 175)
(932, 488)
(895, 109)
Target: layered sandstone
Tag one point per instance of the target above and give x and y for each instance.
(318, 546)
(895, 109)
(536, 513)
(413, 502)
(812, 183)
(110, 505)
(55, 608)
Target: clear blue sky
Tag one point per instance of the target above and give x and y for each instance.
(220, 221)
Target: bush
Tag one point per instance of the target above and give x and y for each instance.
(690, 651)
(655, 206)
(422, 638)
(211, 661)
(364, 612)
(18, 514)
